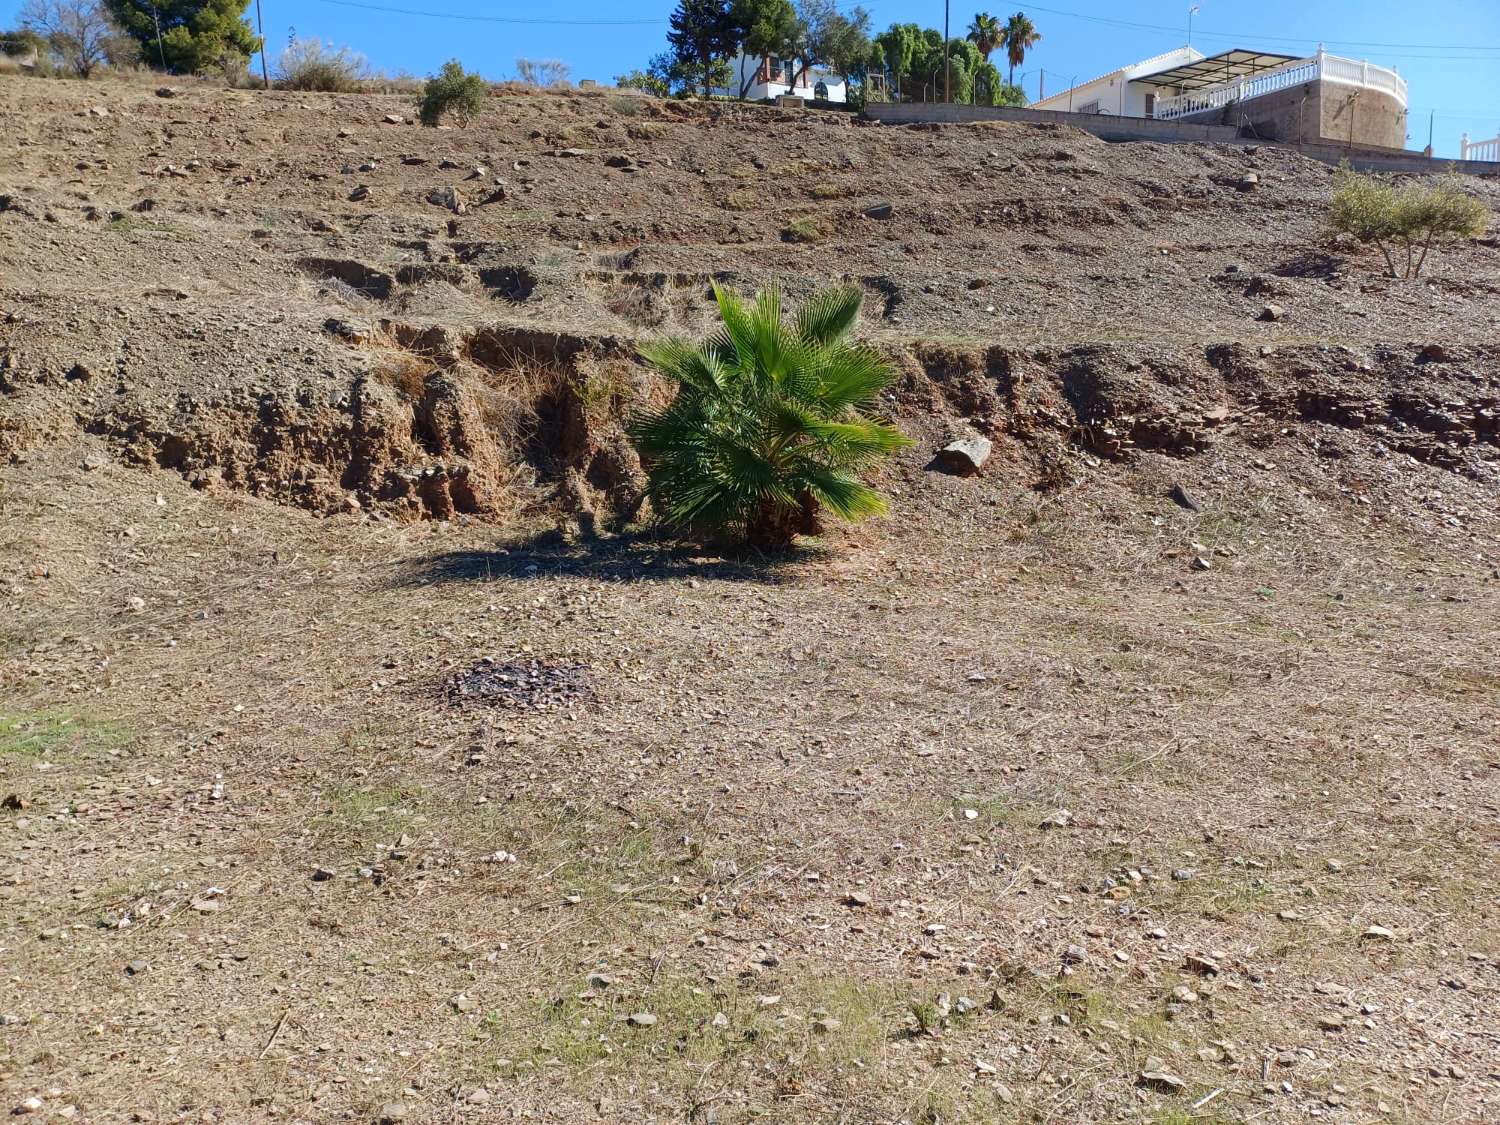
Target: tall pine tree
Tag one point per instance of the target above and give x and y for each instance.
(188, 36)
(702, 37)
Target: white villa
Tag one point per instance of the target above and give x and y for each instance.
(771, 77)
(1320, 97)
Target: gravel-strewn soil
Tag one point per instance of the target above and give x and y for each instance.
(1048, 799)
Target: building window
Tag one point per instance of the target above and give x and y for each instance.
(1089, 107)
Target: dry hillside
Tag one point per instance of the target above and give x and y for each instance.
(362, 762)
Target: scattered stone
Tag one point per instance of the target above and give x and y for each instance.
(720, 1020)
(30, 1105)
(1249, 182)
(322, 874)
(642, 1019)
(1182, 874)
(393, 119)
(1379, 933)
(94, 460)
(1272, 312)
(827, 1025)
(478, 1097)
(463, 1002)
(1289, 916)
(1201, 563)
(964, 457)
(96, 111)
(1156, 1076)
(1184, 499)
(1184, 995)
(1075, 955)
(1059, 819)
(881, 210)
(1331, 1023)
(1206, 966)
(447, 197)
(165, 92)
(392, 1113)
(360, 193)
(135, 968)
(857, 898)
(13, 802)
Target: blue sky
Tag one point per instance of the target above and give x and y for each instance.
(1448, 50)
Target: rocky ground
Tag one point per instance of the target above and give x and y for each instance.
(362, 762)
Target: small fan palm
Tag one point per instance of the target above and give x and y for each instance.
(772, 422)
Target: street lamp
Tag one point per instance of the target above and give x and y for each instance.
(1193, 11)
(947, 68)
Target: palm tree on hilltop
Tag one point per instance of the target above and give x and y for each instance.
(986, 33)
(1019, 36)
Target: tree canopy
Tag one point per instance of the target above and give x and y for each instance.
(986, 33)
(702, 37)
(195, 35)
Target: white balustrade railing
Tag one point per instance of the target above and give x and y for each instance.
(1479, 150)
(1321, 67)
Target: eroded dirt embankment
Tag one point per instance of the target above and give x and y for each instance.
(436, 421)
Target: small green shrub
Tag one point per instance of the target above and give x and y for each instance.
(804, 229)
(451, 92)
(772, 423)
(307, 65)
(1408, 219)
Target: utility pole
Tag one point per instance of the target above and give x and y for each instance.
(260, 28)
(1191, 13)
(947, 66)
(1041, 90)
(160, 53)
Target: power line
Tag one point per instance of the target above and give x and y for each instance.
(490, 19)
(1256, 37)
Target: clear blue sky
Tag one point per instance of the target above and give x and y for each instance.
(1448, 50)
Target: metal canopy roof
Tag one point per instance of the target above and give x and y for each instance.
(1216, 69)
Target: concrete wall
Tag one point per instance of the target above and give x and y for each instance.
(1317, 113)
(1140, 129)
(1361, 117)
(1106, 127)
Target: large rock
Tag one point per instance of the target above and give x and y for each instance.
(963, 457)
(447, 197)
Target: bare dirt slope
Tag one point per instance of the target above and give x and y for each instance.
(1048, 799)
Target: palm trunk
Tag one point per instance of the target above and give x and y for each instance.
(775, 528)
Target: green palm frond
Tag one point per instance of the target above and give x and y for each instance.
(845, 496)
(770, 421)
(830, 315)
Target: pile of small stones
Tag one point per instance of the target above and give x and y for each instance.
(522, 685)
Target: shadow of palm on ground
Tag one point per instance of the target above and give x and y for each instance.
(626, 558)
